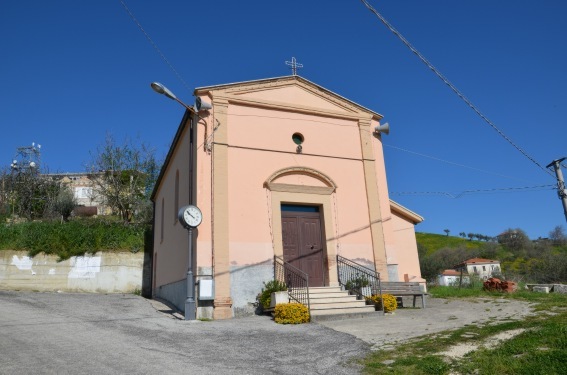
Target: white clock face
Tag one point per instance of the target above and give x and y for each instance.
(191, 216)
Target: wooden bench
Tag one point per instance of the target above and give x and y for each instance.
(401, 289)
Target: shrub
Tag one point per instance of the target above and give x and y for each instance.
(291, 313)
(390, 303)
(265, 296)
(359, 282)
(72, 238)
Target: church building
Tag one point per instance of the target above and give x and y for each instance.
(279, 168)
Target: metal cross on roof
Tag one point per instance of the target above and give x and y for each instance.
(294, 65)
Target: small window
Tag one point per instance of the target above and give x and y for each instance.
(484, 268)
(297, 138)
(299, 208)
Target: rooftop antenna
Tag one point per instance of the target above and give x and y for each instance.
(294, 65)
(27, 159)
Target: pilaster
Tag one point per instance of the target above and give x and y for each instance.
(373, 197)
(221, 255)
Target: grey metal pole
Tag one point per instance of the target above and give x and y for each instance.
(190, 310)
(561, 191)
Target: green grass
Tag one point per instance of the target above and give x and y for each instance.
(433, 242)
(540, 349)
(72, 238)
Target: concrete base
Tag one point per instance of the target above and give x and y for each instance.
(103, 272)
(541, 289)
(560, 288)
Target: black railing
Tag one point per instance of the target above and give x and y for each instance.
(296, 280)
(356, 278)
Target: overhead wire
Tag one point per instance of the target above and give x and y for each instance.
(452, 163)
(451, 86)
(475, 191)
(155, 46)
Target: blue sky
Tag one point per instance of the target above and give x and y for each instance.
(73, 71)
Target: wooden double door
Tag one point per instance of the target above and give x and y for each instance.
(302, 241)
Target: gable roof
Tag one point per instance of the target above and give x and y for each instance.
(474, 261)
(405, 212)
(453, 273)
(248, 91)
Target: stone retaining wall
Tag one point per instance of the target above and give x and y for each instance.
(103, 272)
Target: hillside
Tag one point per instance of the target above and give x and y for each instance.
(432, 242)
(522, 259)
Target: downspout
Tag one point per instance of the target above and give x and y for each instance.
(193, 186)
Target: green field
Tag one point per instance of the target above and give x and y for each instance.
(536, 345)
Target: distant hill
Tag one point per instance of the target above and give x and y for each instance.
(542, 261)
(432, 242)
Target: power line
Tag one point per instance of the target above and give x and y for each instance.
(452, 163)
(475, 191)
(155, 46)
(451, 86)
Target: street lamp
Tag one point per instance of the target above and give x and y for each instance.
(190, 216)
(161, 89)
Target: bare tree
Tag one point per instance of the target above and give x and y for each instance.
(557, 235)
(123, 175)
(29, 194)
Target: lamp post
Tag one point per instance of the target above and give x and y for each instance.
(190, 216)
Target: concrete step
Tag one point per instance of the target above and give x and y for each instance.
(342, 314)
(334, 303)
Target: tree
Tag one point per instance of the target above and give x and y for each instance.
(447, 231)
(445, 258)
(29, 194)
(463, 234)
(65, 203)
(557, 236)
(515, 240)
(123, 176)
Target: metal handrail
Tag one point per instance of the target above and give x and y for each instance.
(358, 279)
(296, 280)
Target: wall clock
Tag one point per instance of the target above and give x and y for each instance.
(190, 216)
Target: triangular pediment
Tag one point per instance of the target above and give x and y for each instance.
(287, 92)
(295, 95)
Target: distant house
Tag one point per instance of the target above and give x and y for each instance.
(483, 268)
(88, 202)
(452, 277)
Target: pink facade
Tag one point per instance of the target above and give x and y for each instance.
(249, 173)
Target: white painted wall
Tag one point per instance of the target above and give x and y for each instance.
(103, 272)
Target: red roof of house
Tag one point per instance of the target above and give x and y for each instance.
(452, 273)
(476, 261)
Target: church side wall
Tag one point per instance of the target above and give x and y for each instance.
(406, 250)
(170, 238)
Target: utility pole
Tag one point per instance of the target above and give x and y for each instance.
(561, 191)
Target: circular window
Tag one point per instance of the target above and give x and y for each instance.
(297, 138)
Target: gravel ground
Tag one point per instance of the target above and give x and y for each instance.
(60, 333)
(439, 315)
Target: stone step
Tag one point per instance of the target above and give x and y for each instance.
(337, 305)
(331, 310)
(334, 303)
(325, 290)
(341, 314)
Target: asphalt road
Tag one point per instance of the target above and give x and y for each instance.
(59, 333)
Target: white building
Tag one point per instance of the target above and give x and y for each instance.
(483, 268)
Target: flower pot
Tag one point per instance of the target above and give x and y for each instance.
(279, 297)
